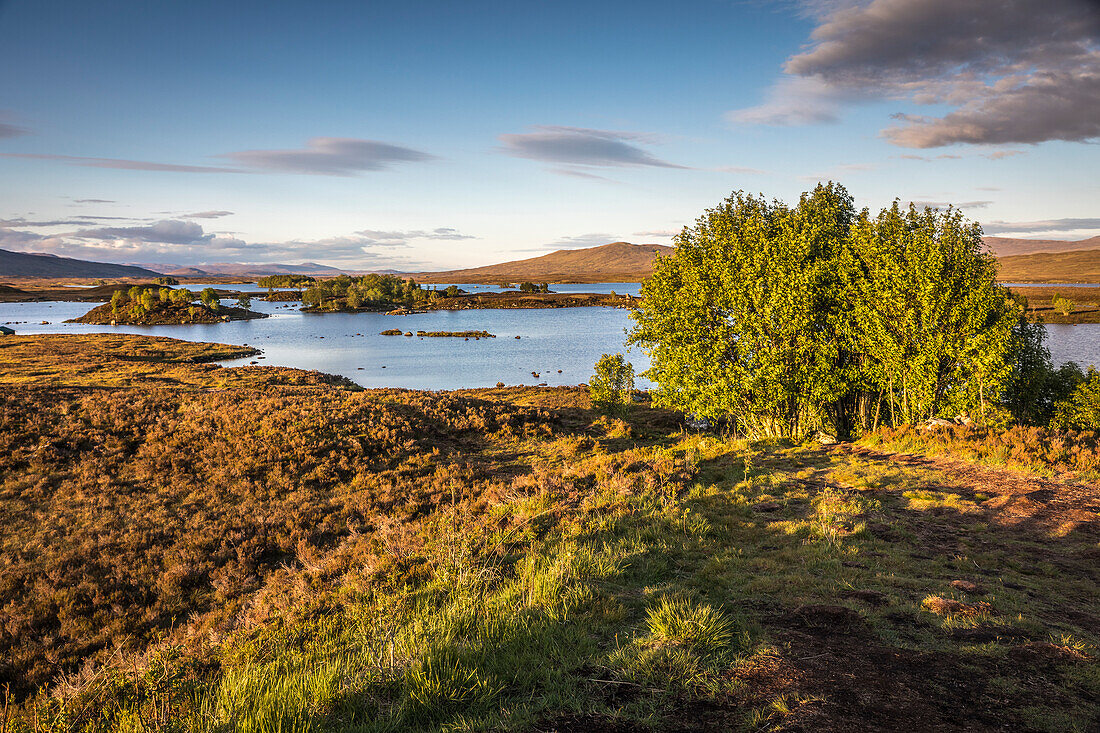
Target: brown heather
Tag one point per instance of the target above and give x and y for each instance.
(185, 547)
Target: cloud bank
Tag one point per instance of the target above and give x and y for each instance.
(583, 147)
(1015, 71)
(173, 240)
(330, 156)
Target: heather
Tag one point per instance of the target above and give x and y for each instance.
(259, 549)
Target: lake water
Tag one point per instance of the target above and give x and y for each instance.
(569, 339)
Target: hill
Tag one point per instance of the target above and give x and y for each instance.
(1052, 267)
(23, 264)
(615, 262)
(1008, 247)
(235, 269)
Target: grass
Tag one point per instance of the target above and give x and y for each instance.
(513, 560)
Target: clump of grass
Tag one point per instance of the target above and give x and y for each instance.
(920, 499)
(952, 608)
(686, 642)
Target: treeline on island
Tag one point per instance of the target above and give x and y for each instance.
(149, 305)
(785, 320)
(383, 292)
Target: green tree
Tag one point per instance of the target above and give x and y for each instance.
(209, 297)
(528, 287)
(612, 386)
(1062, 305)
(1081, 410)
(166, 280)
(243, 301)
(744, 321)
(934, 328)
(117, 299)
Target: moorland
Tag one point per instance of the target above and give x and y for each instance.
(192, 547)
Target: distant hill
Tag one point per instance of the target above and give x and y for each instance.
(1052, 267)
(1007, 247)
(615, 262)
(235, 269)
(23, 264)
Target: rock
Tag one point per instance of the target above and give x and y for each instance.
(696, 423)
(824, 438)
(936, 422)
(967, 586)
(517, 338)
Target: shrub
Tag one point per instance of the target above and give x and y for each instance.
(613, 383)
(1081, 410)
(1064, 306)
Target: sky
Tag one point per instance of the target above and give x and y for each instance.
(433, 135)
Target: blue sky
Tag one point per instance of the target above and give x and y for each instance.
(440, 134)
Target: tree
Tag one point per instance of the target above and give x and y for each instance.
(209, 298)
(544, 287)
(743, 320)
(243, 301)
(166, 280)
(613, 383)
(527, 287)
(1081, 409)
(789, 319)
(1062, 305)
(934, 327)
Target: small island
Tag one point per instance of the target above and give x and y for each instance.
(393, 295)
(153, 306)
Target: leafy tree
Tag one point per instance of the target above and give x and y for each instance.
(116, 300)
(743, 320)
(148, 300)
(788, 319)
(166, 280)
(209, 297)
(613, 383)
(243, 301)
(451, 291)
(1035, 387)
(527, 287)
(544, 287)
(934, 327)
(1062, 305)
(1081, 410)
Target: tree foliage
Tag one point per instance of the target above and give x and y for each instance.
(613, 383)
(786, 319)
(370, 291)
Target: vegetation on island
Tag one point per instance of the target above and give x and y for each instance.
(785, 320)
(285, 281)
(148, 305)
(457, 334)
(389, 292)
(194, 548)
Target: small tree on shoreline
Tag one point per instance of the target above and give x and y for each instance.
(612, 386)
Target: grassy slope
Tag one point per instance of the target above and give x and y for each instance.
(510, 559)
(1051, 267)
(615, 262)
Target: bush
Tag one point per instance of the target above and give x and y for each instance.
(1064, 306)
(166, 281)
(1081, 410)
(613, 383)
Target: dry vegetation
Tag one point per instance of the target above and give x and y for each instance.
(1084, 304)
(1051, 267)
(259, 549)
